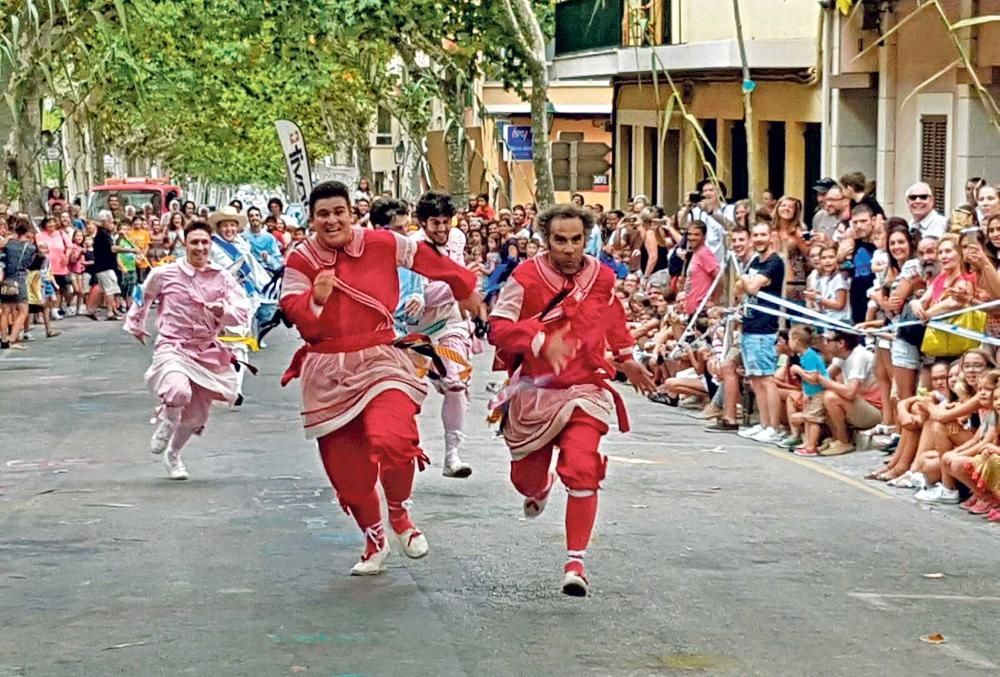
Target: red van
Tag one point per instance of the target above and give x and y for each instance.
(135, 191)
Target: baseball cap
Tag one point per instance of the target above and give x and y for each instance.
(825, 184)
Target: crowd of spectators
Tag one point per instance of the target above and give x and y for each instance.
(819, 332)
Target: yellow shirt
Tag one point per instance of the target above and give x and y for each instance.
(141, 239)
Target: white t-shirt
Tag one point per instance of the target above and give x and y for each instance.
(715, 238)
(828, 287)
(860, 366)
(933, 225)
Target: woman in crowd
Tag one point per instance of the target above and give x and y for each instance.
(787, 233)
(19, 252)
(174, 236)
(363, 192)
(157, 245)
(656, 243)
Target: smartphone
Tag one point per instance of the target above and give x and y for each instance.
(807, 235)
(694, 198)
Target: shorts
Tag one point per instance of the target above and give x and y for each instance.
(22, 293)
(814, 411)
(64, 282)
(905, 355)
(862, 414)
(109, 282)
(127, 282)
(760, 354)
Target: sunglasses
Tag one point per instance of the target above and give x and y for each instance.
(922, 196)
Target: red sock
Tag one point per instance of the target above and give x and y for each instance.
(397, 482)
(581, 511)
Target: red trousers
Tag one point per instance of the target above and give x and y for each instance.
(580, 466)
(382, 442)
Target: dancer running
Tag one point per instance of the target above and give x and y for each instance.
(552, 323)
(443, 322)
(360, 393)
(191, 368)
(232, 252)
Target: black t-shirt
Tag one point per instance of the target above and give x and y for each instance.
(862, 278)
(104, 257)
(872, 204)
(773, 268)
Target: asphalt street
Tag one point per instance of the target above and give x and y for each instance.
(713, 555)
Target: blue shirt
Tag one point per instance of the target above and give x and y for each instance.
(595, 242)
(264, 242)
(812, 362)
(410, 285)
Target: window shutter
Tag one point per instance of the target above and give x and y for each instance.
(934, 155)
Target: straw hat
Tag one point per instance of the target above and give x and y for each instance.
(227, 213)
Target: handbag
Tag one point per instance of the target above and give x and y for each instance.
(939, 343)
(911, 333)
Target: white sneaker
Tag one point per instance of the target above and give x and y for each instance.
(454, 467)
(575, 585)
(175, 466)
(748, 433)
(413, 543)
(904, 481)
(161, 436)
(71, 312)
(767, 436)
(919, 480)
(938, 494)
(373, 564)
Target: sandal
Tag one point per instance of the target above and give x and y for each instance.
(52, 334)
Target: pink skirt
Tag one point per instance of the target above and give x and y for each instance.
(336, 387)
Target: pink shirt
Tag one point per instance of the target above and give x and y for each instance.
(701, 273)
(184, 326)
(58, 243)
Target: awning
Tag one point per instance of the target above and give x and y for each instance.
(524, 108)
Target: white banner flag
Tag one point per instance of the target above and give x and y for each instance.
(296, 158)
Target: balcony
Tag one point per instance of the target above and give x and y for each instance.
(595, 25)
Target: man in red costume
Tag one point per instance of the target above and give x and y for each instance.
(552, 325)
(360, 393)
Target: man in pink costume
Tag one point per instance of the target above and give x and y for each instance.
(191, 368)
(552, 324)
(360, 393)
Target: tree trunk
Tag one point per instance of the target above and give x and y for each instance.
(455, 141)
(363, 156)
(27, 127)
(544, 183)
(530, 42)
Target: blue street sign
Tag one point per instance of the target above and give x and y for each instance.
(518, 139)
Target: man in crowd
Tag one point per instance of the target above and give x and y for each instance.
(190, 369)
(360, 394)
(104, 268)
(924, 220)
(442, 321)
(263, 245)
(728, 373)
(838, 206)
(853, 186)
(824, 223)
(701, 267)
(855, 401)
(394, 215)
(765, 272)
(862, 251)
(552, 323)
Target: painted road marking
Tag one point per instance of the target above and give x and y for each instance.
(635, 461)
(879, 598)
(822, 470)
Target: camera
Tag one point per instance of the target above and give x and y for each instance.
(695, 198)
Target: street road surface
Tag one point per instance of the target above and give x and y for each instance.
(712, 555)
